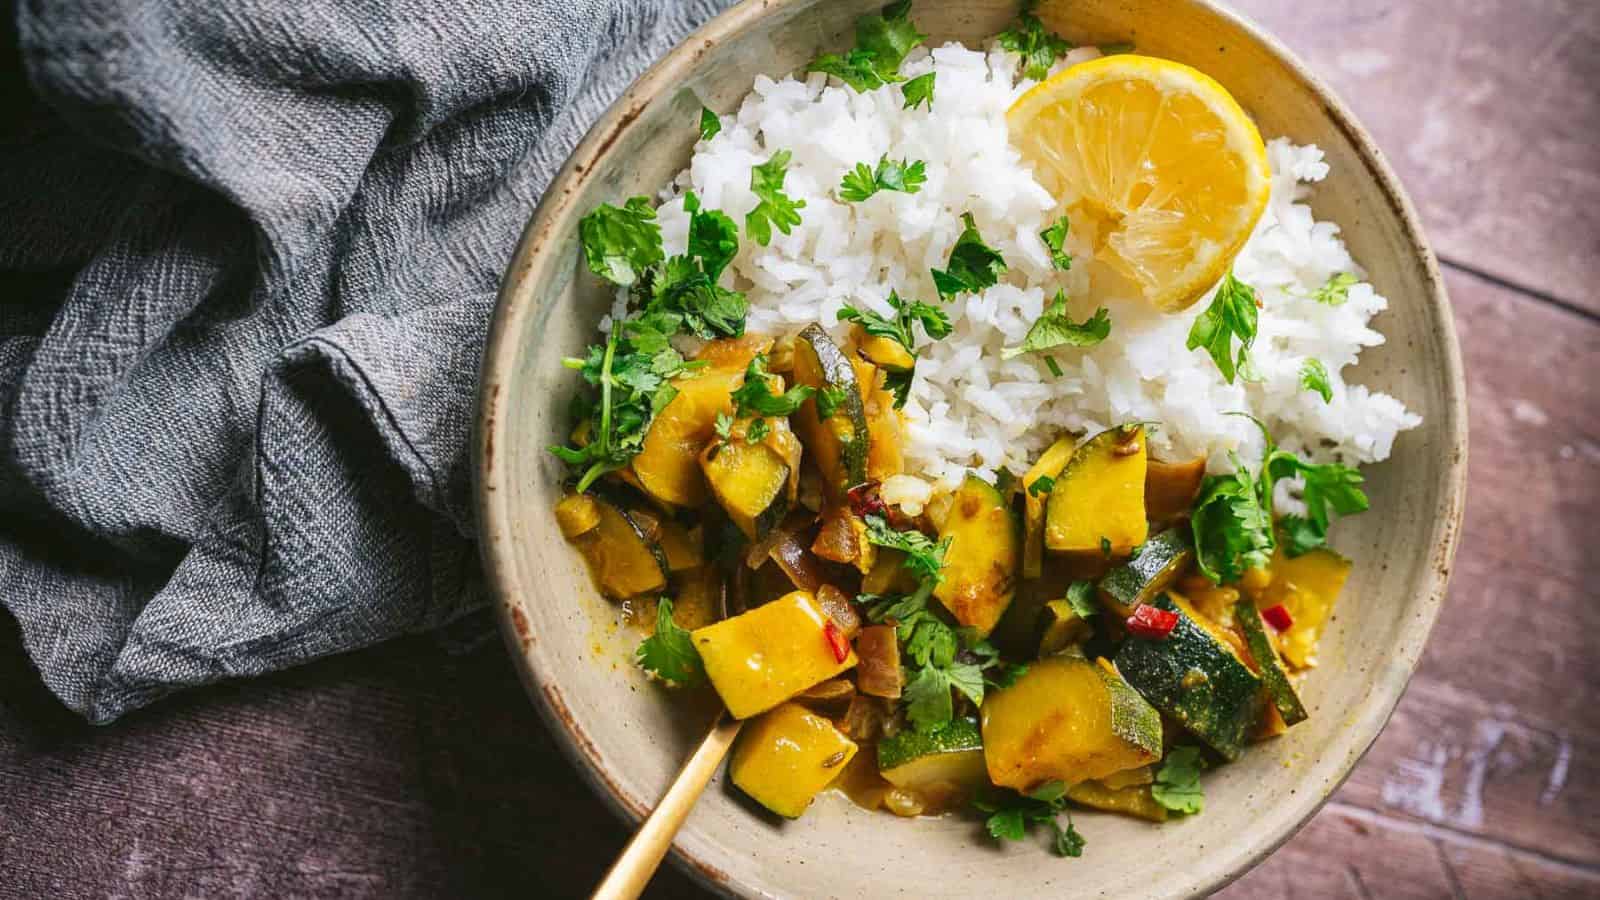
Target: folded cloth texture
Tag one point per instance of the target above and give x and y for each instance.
(248, 253)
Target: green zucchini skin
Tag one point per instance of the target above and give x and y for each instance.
(1273, 676)
(1148, 573)
(955, 736)
(851, 434)
(1194, 678)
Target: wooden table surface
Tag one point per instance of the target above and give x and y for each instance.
(404, 772)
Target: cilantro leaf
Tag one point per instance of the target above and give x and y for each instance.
(755, 397)
(863, 181)
(1314, 377)
(973, 265)
(924, 556)
(882, 41)
(724, 426)
(918, 90)
(1053, 238)
(669, 654)
(927, 698)
(829, 399)
(1336, 290)
(1080, 594)
(907, 313)
(1232, 525)
(1054, 328)
(1328, 486)
(1042, 485)
(1301, 535)
(1232, 314)
(1177, 784)
(1011, 815)
(621, 242)
(710, 125)
(775, 209)
(1038, 47)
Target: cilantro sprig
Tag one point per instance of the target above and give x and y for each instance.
(633, 369)
(754, 400)
(882, 41)
(1011, 815)
(1231, 315)
(973, 265)
(899, 329)
(775, 209)
(1080, 594)
(863, 181)
(1037, 45)
(1054, 328)
(1336, 290)
(669, 654)
(710, 124)
(1177, 785)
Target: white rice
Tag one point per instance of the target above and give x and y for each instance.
(970, 409)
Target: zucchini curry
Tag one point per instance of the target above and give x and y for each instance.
(1092, 633)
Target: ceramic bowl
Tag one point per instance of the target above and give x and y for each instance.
(629, 740)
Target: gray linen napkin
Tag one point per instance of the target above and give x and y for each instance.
(248, 252)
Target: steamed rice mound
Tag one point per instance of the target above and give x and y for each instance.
(969, 409)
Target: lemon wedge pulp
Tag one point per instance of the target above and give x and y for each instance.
(1170, 168)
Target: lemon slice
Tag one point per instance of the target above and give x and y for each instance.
(1170, 168)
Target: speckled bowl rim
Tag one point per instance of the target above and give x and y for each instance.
(530, 266)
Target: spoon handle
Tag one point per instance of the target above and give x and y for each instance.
(639, 860)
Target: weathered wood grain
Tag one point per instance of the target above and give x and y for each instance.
(1489, 112)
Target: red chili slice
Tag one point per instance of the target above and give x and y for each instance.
(1278, 617)
(864, 500)
(836, 641)
(1151, 623)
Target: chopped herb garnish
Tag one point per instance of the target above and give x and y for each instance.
(1053, 238)
(882, 42)
(710, 125)
(1038, 47)
(621, 242)
(899, 329)
(1232, 314)
(1054, 367)
(1054, 328)
(863, 181)
(755, 397)
(1105, 547)
(775, 209)
(1314, 377)
(918, 91)
(1177, 784)
(1080, 594)
(1012, 814)
(669, 654)
(1336, 290)
(973, 265)
(1232, 525)
(1042, 485)
(724, 426)
(924, 556)
(1327, 486)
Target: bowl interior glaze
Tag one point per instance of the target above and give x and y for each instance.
(629, 740)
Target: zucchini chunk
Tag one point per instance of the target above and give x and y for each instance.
(885, 426)
(1061, 627)
(1194, 676)
(1067, 719)
(667, 467)
(576, 515)
(787, 756)
(758, 659)
(1098, 502)
(1133, 800)
(1049, 465)
(1170, 489)
(883, 352)
(1307, 586)
(1148, 573)
(944, 762)
(839, 444)
(623, 553)
(750, 481)
(1282, 693)
(980, 568)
